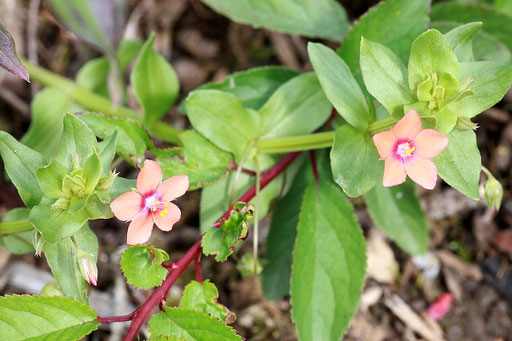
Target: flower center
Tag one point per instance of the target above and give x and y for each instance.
(405, 150)
(154, 204)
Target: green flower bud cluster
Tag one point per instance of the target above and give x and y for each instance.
(439, 91)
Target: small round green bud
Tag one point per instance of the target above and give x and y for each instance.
(61, 204)
(464, 123)
(106, 182)
(88, 267)
(38, 242)
(493, 193)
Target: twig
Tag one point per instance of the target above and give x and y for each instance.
(199, 277)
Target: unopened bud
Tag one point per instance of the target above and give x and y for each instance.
(464, 123)
(38, 242)
(61, 204)
(106, 183)
(88, 267)
(74, 184)
(493, 193)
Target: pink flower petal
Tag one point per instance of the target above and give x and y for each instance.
(140, 228)
(127, 205)
(408, 127)
(441, 306)
(394, 172)
(430, 143)
(149, 178)
(166, 220)
(173, 187)
(385, 142)
(422, 171)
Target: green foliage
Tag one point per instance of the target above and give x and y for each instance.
(461, 40)
(221, 241)
(18, 243)
(397, 211)
(459, 164)
(385, 77)
(254, 86)
(328, 264)
(354, 161)
(142, 266)
(191, 325)
(340, 86)
(154, 82)
(77, 141)
(45, 318)
(392, 23)
(64, 263)
(203, 297)
(277, 266)
(200, 159)
(321, 19)
(21, 164)
(48, 109)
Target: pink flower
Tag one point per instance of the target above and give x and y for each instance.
(407, 149)
(151, 204)
(441, 306)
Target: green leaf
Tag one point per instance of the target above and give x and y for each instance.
(393, 23)
(77, 139)
(142, 266)
(45, 318)
(459, 165)
(92, 171)
(107, 152)
(385, 77)
(8, 58)
(484, 45)
(221, 241)
(121, 186)
(132, 138)
(48, 109)
(154, 82)
(221, 118)
(191, 325)
(254, 86)
(203, 297)
(277, 268)
(397, 211)
(297, 107)
(495, 22)
(354, 161)
(489, 81)
(461, 40)
(200, 159)
(62, 259)
(321, 19)
(21, 164)
(431, 53)
(93, 76)
(328, 264)
(17, 243)
(217, 198)
(339, 85)
(50, 179)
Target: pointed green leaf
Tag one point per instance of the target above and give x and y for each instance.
(203, 297)
(45, 318)
(459, 165)
(297, 107)
(461, 40)
(142, 266)
(154, 81)
(339, 85)
(385, 77)
(322, 19)
(329, 264)
(50, 179)
(191, 325)
(397, 211)
(354, 161)
(77, 139)
(21, 164)
(107, 152)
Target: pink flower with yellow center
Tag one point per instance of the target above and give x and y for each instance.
(151, 203)
(407, 150)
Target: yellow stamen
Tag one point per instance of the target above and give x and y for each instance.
(162, 214)
(154, 208)
(158, 202)
(410, 150)
(166, 204)
(165, 211)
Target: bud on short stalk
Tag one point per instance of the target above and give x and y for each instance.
(38, 242)
(106, 183)
(88, 267)
(493, 193)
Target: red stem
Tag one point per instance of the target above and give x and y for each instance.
(176, 269)
(199, 277)
(313, 164)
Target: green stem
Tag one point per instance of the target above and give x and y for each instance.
(95, 102)
(313, 141)
(15, 226)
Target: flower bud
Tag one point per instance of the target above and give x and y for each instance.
(246, 265)
(106, 183)
(61, 204)
(74, 184)
(38, 242)
(464, 123)
(493, 193)
(88, 267)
